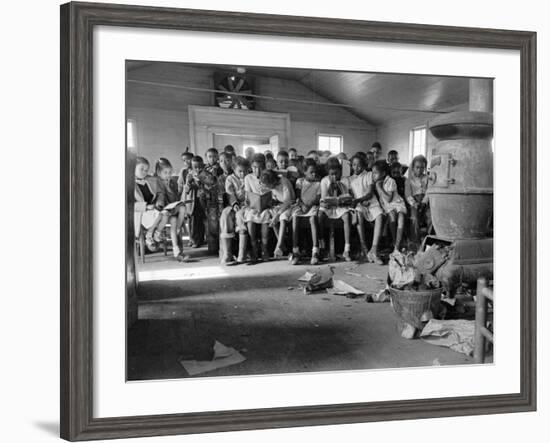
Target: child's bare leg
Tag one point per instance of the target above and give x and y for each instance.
(278, 248)
(253, 242)
(294, 233)
(265, 241)
(322, 217)
(392, 222)
(157, 236)
(314, 240)
(400, 227)
(174, 235)
(373, 253)
(361, 232)
(415, 230)
(347, 247)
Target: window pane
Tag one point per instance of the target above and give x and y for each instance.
(131, 131)
(323, 143)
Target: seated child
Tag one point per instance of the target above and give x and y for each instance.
(416, 186)
(390, 200)
(232, 218)
(396, 172)
(175, 216)
(147, 194)
(333, 186)
(252, 216)
(308, 195)
(367, 208)
(282, 193)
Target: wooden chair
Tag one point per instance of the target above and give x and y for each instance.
(482, 333)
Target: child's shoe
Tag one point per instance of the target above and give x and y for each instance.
(157, 236)
(315, 258)
(346, 255)
(278, 253)
(373, 258)
(294, 258)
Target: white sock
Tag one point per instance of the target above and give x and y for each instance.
(295, 250)
(176, 250)
(347, 247)
(315, 250)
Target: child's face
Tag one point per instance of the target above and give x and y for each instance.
(165, 173)
(334, 175)
(396, 172)
(186, 162)
(211, 158)
(375, 153)
(270, 165)
(393, 157)
(142, 169)
(370, 159)
(282, 162)
(240, 171)
(292, 155)
(197, 166)
(257, 169)
(225, 163)
(357, 166)
(377, 174)
(311, 174)
(418, 169)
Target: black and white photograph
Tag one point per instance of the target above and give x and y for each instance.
(290, 220)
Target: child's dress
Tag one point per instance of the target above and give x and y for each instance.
(359, 186)
(282, 194)
(338, 189)
(146, 192)
(397, 204)
(234, 188)
(416, 188)
(308, 203)
(252, 184)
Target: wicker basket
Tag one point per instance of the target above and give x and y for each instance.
(411, 305)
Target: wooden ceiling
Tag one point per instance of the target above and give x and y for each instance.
(376, 98)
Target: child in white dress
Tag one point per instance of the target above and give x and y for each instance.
(232, 217)
(416, 187)
(252, 216)
(283, 196)
(391, 201)
(367, 208)
(308, 195)
(333, 186)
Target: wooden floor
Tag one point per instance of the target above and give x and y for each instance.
(261, 312)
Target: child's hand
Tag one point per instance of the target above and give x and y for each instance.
(150, 207)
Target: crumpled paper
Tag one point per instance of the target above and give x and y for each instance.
(457, 335)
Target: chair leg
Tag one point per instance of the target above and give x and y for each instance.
(142, 247)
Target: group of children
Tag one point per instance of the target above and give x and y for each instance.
(317, 189)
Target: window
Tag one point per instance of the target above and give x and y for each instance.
(131, 134)
(329, 142)
(417, 142)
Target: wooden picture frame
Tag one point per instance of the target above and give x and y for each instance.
(77, 23)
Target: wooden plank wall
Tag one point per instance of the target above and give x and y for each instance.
(162, 120)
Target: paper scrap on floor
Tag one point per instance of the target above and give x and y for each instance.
(340, 287)
(455, 334)
(223, 356)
